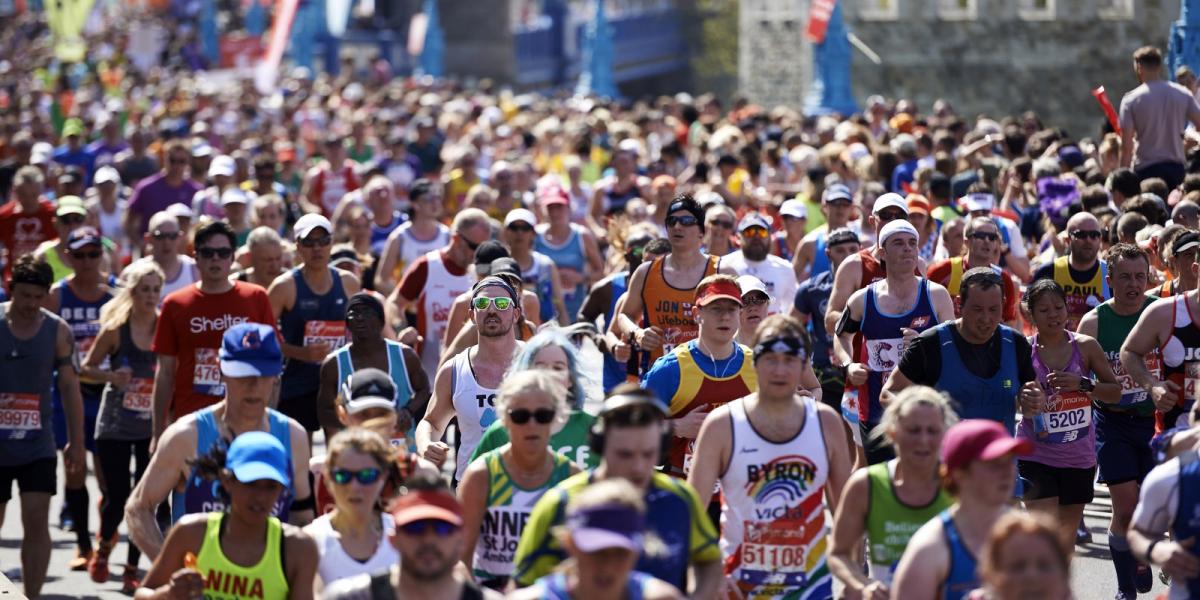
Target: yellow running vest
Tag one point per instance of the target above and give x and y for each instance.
(224, 580)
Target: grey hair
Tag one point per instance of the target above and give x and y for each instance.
(532, 381)
(263, 235)
(905, 401)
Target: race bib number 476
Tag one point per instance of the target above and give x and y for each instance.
(206, 375)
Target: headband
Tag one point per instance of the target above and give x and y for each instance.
(366, 300)
(493, 281)
(790, 345)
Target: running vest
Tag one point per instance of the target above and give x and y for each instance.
(441, 288)
(1064, 431)
(379, 235)
(890, 522)
(475, 407)
(84, 319)
(225, 580)
(313, 319)
(615, 372)
(571, 255)
(615, 201)
(397, 371)
(508, 507)
(186, 276)
(1111, 331)
(975, 397)
(820, 262)
(1181, 361)
(330, 186)
(26, 372)
(336, 564)
(125, 412)
(537, 279)
(201, 495)
(554, 586)
(670, 308)
(1186, 523)
(775, 492)
(962, 577)
(955, 283)
(699, 390)
(1081, 296)
(413, 248)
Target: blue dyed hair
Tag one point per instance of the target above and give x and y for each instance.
(552, 337)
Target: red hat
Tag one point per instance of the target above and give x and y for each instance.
(721, 289)
(918, 204)
(427, 504)
(979, 439)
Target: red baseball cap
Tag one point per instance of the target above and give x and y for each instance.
(427, 504)
(979, 439)
(718, 290)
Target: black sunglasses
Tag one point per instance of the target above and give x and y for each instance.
(520, 228)
(472, 246)
(94, 254)
(686, 221)
(211, 253)
(364, 476)
(891, 216)
(521, 416)
(722, 223)
(165, 235)
(983, 235)
(441, 528)
(316, 242)
(71, 219)
(1080, 234)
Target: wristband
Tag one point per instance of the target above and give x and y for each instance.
(1150, 551)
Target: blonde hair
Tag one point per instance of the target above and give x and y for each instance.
(908, 399)
(116, 312)
(533, 381)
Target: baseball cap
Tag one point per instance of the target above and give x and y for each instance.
(721, 289)
(793, 208)
(368, 388)
(180, 210)
(837, 191)
(107, 174)
(221, 165)
(1071, 156)
(897, 227)
(427, 504)
(753, 219)
(73, 126)
(234, 195)
(978, 201)
(250, 350)
(84, 236)
(750, 283)
(554, 196)
(979, 439)
(70, 205)
(520, 214)
(257, 455)
(918, 204)
(840, 235)
(309, 222)
(344, 255)
(505, 266)
(890, 200)
(201, 148)
(595, 528)
(1186, 241)
(40, 153)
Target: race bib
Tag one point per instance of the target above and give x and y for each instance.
(325, 332)
(139, 396)
(20, 416)
(1067, 416)
(884, 355)
(773, 559)
(1191, 380)
(206, 375)
(1131, 392)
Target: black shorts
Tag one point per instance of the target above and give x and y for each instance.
(40, 475)
(303, 409)
(1070, 486)
(1123, 446)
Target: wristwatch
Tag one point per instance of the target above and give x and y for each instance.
(1086, 384)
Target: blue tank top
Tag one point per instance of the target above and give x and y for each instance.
(820, 262)
(84, 320)
(614, 372)
(975, 397)
(962, 577)
(554, 586)
(537, 279)
(1187, 523)
(572, 256)
(200, 495)
(379, 235)
(315, 318)
(883, 344)
(397, 370)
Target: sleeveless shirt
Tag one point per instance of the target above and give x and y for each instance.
(84, 319)
(890, 522)
(883, 345)
(26, 373)
(1181, 360)
(226, 580)
(337, 564)
(313, 319)
(976, 397)
(441, 289)
(962, 576)
(1111, 331)
(571, 255)
(413, 248)
(670, 308)
(475, 407)
(1082, 296)
(699, 390)
(537, 279)
(1064, 434)
(125, 412)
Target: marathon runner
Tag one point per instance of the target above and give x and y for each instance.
(414, 238)
(1082, 274)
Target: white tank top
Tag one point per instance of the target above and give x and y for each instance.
(441, 288)
(773, 518)
(187, 276)
(413, 248)
(336, 564)
(473, 404)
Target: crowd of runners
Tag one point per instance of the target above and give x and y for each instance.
(887, 355)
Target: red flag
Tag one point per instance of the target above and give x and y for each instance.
(281, 29)
(1102, 98)
(818, 19)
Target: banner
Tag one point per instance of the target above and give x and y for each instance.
(66, 19)
(240, 51)
(268, 69)
(818, 19)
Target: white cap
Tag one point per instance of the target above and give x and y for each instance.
(106, 174)
(234, 195)
(309, 222)
(520, 214)
(979, 201)
(40, 153)
(181, 211)
(750, 283)
(221, 165)
(897, 227)
(793, 208)
(890, 200)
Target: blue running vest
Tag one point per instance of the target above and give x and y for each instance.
(975, 397)
(962, 577)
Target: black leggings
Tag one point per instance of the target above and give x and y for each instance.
(113, 458)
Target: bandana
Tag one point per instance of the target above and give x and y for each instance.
(793, 346)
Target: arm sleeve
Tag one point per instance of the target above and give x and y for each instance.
(921, 362)
(166, 339)
(539, 552)
(1025, 372)
(413, 280)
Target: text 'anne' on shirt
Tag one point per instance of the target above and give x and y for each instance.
(201, 495)
(397, 370)
(1111, 331)
(190, 328)
(670, 308)
(570, 254)
(774, 535)
(1064, 434)
(890, 522)
(1181, 360)
(474, 405)
(227, 580)
(26, 373)
(1082, 296)
(433, 284)
(125, 413)
(313, 319)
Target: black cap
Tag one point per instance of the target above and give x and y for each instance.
(368, 388)
(505, 266)
(487, 252)
(689, 204)
(368, 300)
(1186, 241)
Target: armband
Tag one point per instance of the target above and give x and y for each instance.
(846, 324)
(1150, 551)
(309, 503)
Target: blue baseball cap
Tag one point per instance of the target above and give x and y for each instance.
(257, 455)
(250, 350)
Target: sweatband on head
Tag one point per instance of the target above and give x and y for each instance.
(790, 345)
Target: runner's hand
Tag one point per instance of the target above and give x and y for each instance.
(74, 458)
(1062, 381)
(409, 337)
(185, 584)
(121, 377)
(688, 426)
(1031, 398)
(436, 453)
(1176, 559)
(856, 373)
(876, 590)
(621, 351)
(1165, 395)
(315, 353)
(649, 338)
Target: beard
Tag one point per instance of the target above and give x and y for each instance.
(430, 570)
(495, 329)
(755, 252)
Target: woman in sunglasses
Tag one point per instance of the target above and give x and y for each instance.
(499, 489)
(353, 537)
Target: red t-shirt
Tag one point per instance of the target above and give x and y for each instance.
(190, 329)
(21, 232)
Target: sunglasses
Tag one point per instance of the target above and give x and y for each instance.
(165, 235)
(441, 528)
(686, 221)
(521, 416)
(472, 246)
(320, 242)
(723, 224)
(891, 216)
(178, 161)
(71, 219)
(364, 476)
(1080, 234)
(756, 232)
(756, 300)
(501, 303)
(983, 235)
(520, 228)
(94, 254)
(211, 253)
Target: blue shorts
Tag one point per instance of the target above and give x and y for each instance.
(91, 407)
(1123, 446)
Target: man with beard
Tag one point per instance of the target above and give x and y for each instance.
(755, 259)
(465, 385)
(430, 540)
(1082, 274)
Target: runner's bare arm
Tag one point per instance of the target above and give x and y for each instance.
(596, 303)
(327, 393)
(459, 316)
(845, 282)
(896, 382)
(708, 577)
(437, 416)
(385, 279)
(943, 304)
(164, 387)
(1089, 324)
(282, 295)
(472, 493)
(556, 295)
(395, 306)
(53, 300)
(420, 385)
(631, 313)
(300, 482)
(1152, 330)
(805, 254)
(302, 560)
(924, 565)
(849, 528)
(72, 401)
(350, 283)
(711, 454)
(1108, 389)
(186, 536)
(105, 343)
(595, 261)
(167, 468)
(531, 308)
(809, 381)
(837, 448)
(843, 342)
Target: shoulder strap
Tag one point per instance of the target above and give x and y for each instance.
(381, 586)
(471, 591)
